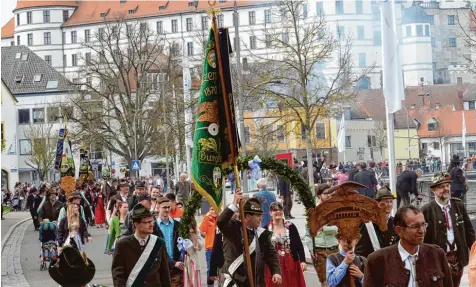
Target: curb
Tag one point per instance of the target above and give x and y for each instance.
(10, 231)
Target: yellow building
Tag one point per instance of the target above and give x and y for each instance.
(403, 139)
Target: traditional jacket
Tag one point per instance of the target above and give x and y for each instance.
(436, 232)
(127, 253)
(233, 248)
(387, 238)
(386, 268)
(50, 211)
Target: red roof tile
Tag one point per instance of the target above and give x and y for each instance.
(8, 29)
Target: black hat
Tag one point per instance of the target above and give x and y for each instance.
(455, 158)
(140, 184)
(139, 211)
(383, 193)
(253, 205)
(123, 182)
(71, 270)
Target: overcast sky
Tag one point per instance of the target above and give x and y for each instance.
(7, 8)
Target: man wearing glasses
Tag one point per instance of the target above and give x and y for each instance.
(449, 225)
(141, 259)
(411, 262)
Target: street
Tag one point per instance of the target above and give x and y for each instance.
(28, 266)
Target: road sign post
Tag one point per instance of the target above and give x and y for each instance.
(136, 167)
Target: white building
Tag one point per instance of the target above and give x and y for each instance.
(9, 139)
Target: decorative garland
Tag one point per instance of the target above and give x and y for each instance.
(268, 163)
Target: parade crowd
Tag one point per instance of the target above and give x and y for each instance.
(427, 246)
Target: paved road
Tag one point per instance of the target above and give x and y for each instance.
(11, 218)
(30, 251)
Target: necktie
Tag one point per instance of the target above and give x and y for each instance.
(447, 217)
(413, 259)
(142, 242)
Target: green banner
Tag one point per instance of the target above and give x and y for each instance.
(210, 138)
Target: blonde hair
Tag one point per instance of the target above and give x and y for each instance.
(72, 217)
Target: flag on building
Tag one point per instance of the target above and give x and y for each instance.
(392, 69)
(215, 143)
(341, 135)
(463, 135)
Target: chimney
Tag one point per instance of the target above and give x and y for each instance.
(460, 100)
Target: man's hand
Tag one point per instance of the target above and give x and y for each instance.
(355, 272)
(214, 278)
(179, 265)
(349, 257)
(420, 196)
(89, 239)
(277, 279)
(237, 197)
(109, 252)
(303, 266)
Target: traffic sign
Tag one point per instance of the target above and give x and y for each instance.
(135, 164)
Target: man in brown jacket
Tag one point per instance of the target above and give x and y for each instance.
(449, 225)
(141, 259)
(263, 252)
(410, 262)
(51, 208)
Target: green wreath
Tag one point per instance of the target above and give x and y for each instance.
(268, 163)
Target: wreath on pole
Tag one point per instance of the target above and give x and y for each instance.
(268, 163)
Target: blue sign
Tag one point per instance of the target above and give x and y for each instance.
(13, 170)
(136, 165)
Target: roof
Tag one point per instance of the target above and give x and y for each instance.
(90, 11)
(15, 101)
(34, 3)
(444, 95)
(8, 29)
(450, 123)
(470, 93)
(27, 69)
(415, 14)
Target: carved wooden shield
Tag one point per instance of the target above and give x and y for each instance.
(68, 183)
(347, 209)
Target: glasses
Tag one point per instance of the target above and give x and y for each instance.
(418, 226)
(147, 222)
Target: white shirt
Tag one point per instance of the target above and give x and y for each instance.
(407, 258)
(450, 234)
(233, 207)
(142, 242)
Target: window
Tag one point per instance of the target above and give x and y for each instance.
(63, 38)
(451, 19)
(424, 146)
(143, 28)
(53, 114)
(320, 131)
(190, 48)
(28, 17)
(252, 17)
(132, 11)
(204, 23)
(252, 42)
(88, 58)
(267, 16)
(18, 19)
(38, 115)
(433, 41)
(160, 27)
(221, 21)
(25, 147)
(348, 142)
(360, 33)
(371, 141)
(74, 37)
(101, 33)
(453, 64)
(358, 7)
(362, 60)
(280, 133)
(23, 116)
(431, 18)
(74, 60)
(51, 84)
(303, 132)
(377, 38)
(427, 30)
(68, 112)
(431, 126)
(18, 40)
(304, 10)
(76, 81)
(285, 37)
(102, 57)
(37, 77)
(339, 7)
(247, 135)
(48, 59)
(471, 105)
(46, 16)
(30, 39)
(174, 26)
(364, 83)
(65, 15)
(340, 32)
(319, 8)
(408, 31)
(65, 61)
(122, 1)
(87, 35)
(419, 30)
(189, 24)
(268, 40)
(89, 81)
(12, 43)
(436, 145)
(47, 38)
(452, 42)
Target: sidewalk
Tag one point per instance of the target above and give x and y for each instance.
(11, 219)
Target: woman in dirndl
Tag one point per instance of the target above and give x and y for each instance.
(192, 246)
(117, 226)
(289, 247)
(73, 230)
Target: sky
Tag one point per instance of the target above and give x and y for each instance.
(7, 8)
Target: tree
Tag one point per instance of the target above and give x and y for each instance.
(467, 24)
(43, 148)
(380, 134)
(129, 73)
(298, 47)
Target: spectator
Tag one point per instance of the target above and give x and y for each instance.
(175, 213)
(354, 171)
(265, 197)
(208, 228)
(367, 178)
(33, 202)
(183, 188)
(458, 181)
(285, 193)
(406, 185)
(231, 179)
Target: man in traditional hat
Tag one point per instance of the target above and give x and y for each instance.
(258, 240)
(372, 238)
(51, 208)
(73, 198)
(410, 262)
(139, 191)
(144, 200)
(124, 190)
(141, 259)
(449, 225)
